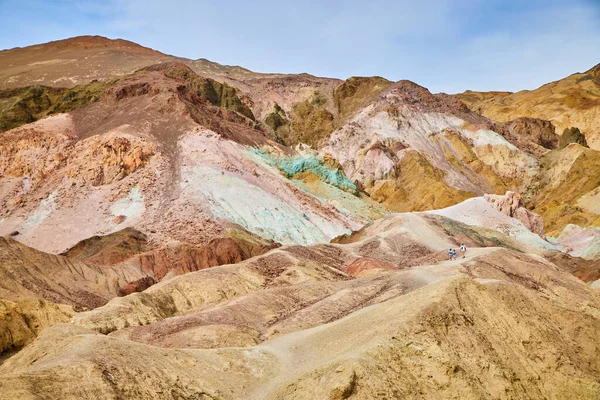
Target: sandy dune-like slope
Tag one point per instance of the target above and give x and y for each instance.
(500, 322)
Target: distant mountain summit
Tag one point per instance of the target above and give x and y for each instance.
(74, 61)
(81, 59)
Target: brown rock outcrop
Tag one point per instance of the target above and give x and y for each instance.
(109, 161)
(138, 286)
(572, 135)
(533, 135)
(186, 258)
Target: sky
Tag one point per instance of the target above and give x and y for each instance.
(445, 45)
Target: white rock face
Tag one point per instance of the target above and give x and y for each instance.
(257, 210)
(478, 211)
(132, 206)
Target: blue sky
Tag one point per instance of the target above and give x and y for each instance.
(444, 45)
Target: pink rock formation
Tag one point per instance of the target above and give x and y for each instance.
(511, 205)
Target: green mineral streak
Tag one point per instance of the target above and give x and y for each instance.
(291, 166)
(275, 121)
(216, 93)
(277, 125)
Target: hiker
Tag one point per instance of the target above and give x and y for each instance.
(463, 250)
(450, 254)
(453, 254)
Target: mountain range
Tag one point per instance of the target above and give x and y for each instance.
(177, 228)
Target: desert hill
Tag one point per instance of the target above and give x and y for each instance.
(127, 147)
(161, 150)
(88, 58)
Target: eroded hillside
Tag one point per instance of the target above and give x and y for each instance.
(570, 102)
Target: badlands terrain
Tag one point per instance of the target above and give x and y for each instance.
(180, 229)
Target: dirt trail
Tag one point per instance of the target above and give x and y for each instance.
(293, 351)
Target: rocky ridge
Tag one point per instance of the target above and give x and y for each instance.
(512, 205)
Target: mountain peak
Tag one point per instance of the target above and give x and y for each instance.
(84, 42)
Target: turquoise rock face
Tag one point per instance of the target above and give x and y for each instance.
(290, 166)
(257, 210)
